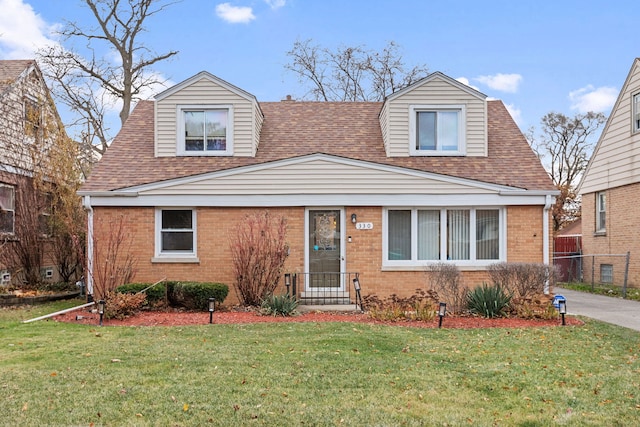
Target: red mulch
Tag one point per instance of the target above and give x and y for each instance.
(179, 318)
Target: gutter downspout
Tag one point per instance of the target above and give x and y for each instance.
(545, 236)
(86, 202)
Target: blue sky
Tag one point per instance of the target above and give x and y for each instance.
(536, 56)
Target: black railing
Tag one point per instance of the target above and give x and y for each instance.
(324, 288)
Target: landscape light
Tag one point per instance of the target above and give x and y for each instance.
(212, 308)
(442, 311)
(562, 306)
(101, 305)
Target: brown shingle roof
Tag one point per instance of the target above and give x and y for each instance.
(10, 69)
(292, 129)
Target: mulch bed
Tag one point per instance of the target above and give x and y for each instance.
(180, 318)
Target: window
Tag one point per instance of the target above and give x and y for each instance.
(606, 273)
(32, 117)
(175, 233)
(601, 212)
(437, 130)
(205, 131)
(7, 209)
(636, 112)
(413, 236)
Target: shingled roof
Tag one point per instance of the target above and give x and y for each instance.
(10, 70)
(292, 129)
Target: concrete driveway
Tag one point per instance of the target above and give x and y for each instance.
(617, 311)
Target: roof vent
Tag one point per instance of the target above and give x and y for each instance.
(288, 98)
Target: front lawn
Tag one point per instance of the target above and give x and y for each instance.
(315, 374)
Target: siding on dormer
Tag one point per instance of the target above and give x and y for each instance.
(247, 119)
(394, 118)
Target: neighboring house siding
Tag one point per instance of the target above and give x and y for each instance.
(616, 160)
(203, 92)
(363, 254)
(434, 92)
(318, 177)
(622, 234)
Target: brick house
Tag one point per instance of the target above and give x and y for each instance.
(610, 189)
(435, 173)
(26, 110)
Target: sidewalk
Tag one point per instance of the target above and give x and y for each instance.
(613, 310)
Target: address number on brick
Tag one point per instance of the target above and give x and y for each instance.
(364, 226)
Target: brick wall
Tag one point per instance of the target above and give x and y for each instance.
(622, 234)
(363, 254)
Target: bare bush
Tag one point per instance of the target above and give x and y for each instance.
(522, 280)
(113, 258)
(258, 250)
(446, 280)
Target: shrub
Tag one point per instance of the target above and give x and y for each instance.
(522, 280)
(258, 251)
(420, 306)
(279, 305)
(445, 279)
(155, 294)
(489, 301)
(195, 295)
(120, 306)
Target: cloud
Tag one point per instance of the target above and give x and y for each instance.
(590, 98)
(465, 81)
(22, 31)
(275, 4)
(515, 112)
(234, 14)
(502, 82)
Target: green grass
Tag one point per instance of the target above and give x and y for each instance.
(603, 289)
(315, 374)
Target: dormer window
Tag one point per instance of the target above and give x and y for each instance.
(205, 130)
(437, 130)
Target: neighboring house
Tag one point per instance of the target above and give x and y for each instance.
(567, 251)
(435, 173)
(610, 190)
(26, 109)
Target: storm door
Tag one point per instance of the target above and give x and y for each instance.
(325, 257)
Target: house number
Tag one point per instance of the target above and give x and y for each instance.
(364, 226)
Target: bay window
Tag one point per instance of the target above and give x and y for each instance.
(416, 236)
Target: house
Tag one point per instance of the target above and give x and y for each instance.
(435, 173)
(610, 188)
(28, 121)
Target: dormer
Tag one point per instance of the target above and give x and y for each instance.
(206, 116)
(436, 116)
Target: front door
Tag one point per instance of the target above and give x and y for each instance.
(325, 258)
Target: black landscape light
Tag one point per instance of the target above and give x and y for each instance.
(562, 307)
(287, 281)
(101, 305)
(442, 310)
(212, 308)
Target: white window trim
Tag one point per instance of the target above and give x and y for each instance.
(180, 143)
(462, 137)
(175, 257)
(599, 212)
(415, 263)
(635, 112)
(13, 232)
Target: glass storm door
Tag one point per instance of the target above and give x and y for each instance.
(325, 258)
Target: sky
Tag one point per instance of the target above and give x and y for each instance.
(564, 56)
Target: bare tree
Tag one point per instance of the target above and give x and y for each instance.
(564, 148)
(88, 85)
(351, 73)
